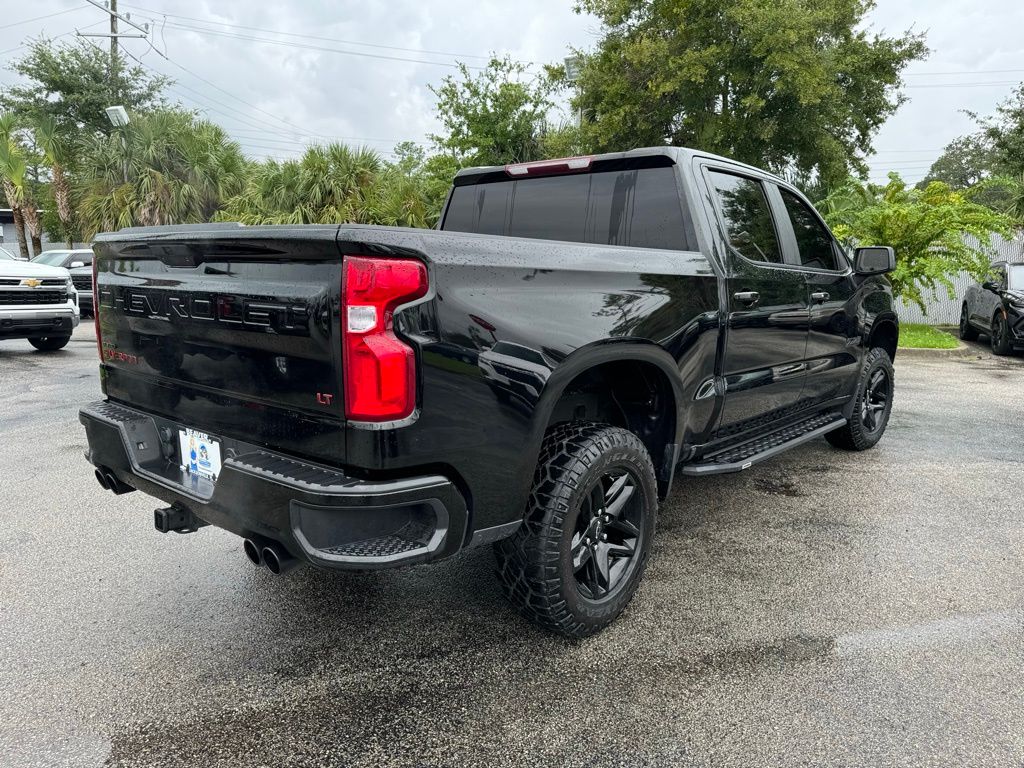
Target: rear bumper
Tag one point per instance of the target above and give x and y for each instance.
(322, 515)
(36, 322)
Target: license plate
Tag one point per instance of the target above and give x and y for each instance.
(200, 454)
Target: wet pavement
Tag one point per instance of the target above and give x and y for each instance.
(820, 609)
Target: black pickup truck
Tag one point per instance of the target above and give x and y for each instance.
(531, 375)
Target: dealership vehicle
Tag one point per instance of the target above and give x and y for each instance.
(996, 308)
(77, 261)
(37, 302)
(532, 375)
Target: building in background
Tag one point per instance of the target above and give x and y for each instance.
(9, 238)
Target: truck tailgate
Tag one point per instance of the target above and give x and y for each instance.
(232, 332)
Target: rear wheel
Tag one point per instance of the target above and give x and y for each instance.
(872, 407)
(579, 556)
(1000, 336)
(967, 331)
(50, 343)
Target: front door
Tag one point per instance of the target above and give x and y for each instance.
(834, 340)
(766, 339)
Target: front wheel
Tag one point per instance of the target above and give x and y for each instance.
(967, 331)
(872, 405)
(578, 558)
(50, 343)
(1000, 337)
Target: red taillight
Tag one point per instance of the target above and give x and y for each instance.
(548, 167)
(380, 369)
(96, 305)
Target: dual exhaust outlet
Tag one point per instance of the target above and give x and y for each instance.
(262, 551)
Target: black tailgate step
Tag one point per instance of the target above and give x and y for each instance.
(736, 458)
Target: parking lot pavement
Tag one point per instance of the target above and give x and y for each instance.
(821, 609)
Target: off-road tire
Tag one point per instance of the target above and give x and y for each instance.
(535, 565)
(1000, 336)
(967, 331)
(50, 343)
(855, 434)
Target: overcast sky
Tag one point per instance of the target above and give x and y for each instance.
(276, 96)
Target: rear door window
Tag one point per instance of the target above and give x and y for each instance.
(747, 217)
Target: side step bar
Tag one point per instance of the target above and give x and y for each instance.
(736, 458)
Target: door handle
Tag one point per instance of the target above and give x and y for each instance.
(747, 297)
(820, 297)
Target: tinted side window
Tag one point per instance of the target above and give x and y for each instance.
(552, 208)
(817, 249)
(748, 218)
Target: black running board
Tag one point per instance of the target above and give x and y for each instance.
(736, 458)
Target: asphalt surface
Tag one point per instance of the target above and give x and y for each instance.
(821, 609)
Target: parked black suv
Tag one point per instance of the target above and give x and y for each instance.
(533, 375)
(996, 308)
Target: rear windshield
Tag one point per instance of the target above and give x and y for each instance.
(640, 208)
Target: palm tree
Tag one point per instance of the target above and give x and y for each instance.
(13, 171)
(168, 168)
(56, 151)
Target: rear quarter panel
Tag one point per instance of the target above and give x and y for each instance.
(562, 307)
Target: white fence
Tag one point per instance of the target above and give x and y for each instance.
(943, 310)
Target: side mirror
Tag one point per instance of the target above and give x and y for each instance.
(991, 285)
(76, 264)
(874, 260)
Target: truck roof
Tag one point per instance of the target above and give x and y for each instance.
(671, 155)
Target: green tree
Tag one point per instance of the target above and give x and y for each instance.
(165, 167)
(1005, 132)
(495, 117)
(790, 84)
(18, 185)
(71, 84)
(964, 162)
(936, 231)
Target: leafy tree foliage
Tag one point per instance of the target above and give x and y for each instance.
(964, 162)
(72, 85)
(169, 168)
(926, 227)
(495, 117)
(788, 84)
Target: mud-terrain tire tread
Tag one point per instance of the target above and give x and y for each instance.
(853, 436)
(529, 561)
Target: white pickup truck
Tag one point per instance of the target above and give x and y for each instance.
(37, 302)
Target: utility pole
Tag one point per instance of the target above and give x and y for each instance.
(110, 8)
(113, 48)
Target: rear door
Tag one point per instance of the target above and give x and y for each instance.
(763, 362)
(234, 336)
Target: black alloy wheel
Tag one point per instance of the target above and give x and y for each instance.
(608, 535)
(875, 401)
(1000, 336)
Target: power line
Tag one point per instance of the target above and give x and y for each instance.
(966, 72)
(40, 18)
(310, 47)
(310, 37)
(990, 83)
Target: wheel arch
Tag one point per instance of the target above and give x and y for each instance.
(631, 384)
(885, 333)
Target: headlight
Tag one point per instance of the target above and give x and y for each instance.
(72, 293)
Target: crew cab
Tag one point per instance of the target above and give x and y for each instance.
(37, 302)
(996, 308)
(577, 335)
